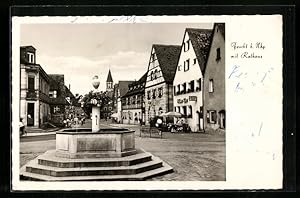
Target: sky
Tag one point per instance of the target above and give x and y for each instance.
(81, 51)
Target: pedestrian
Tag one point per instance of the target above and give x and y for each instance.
(76, 120)
(22, 127)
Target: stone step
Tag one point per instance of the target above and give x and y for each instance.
(137, 177)
(34, 167)
(49, 159)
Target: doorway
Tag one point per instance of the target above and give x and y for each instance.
(30, 114)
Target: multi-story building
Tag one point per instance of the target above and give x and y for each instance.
(120, 89)
(133, 102)
(34, 89)
(61, 98)
(188, 81)
(159, 81)
(214, 81)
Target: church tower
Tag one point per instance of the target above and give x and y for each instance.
(109, 83)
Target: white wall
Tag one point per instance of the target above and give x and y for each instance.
(194, 73)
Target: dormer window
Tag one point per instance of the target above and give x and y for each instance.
(53, 94)
(30, 57)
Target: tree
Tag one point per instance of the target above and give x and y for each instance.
(101, 97)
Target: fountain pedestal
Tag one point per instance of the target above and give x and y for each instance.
(95, 119)
(107, 143)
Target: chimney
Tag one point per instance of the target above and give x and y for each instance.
(69, 87)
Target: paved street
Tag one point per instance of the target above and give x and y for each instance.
(194, 156)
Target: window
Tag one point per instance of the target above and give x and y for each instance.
(154, 93)
(53, 94)
(56, 109)
(179, 67)
(178, 89)
(184, 110)
(152, 75)
(148, 95)
(30, 83)
(187, 65)
(174, 87)
(155, 74)
(218, 57)
(186, 45)
(178, 109)
(183, 88)
(211, 86)
(195, 61)
(199, 85)
(190, 115)
(211, 117)
(30, 57)
(160, 92)
(160, 111)
(192, 86)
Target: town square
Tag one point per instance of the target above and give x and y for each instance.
(150, 109)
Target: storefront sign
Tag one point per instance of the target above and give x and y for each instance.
(193, 98)
(184, 100)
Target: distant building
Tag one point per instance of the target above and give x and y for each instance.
(107, 110)
(188, 81)
(214, 81)
(34, 89)
(159, 82)
(120, 89)
(133, 102)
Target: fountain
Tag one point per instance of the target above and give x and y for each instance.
(102, 154)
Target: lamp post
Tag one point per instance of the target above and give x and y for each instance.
(95, 107)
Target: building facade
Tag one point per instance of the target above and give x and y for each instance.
(34, 89)
(188, 80)
(133, 102)
(214, 81)
(120, 89)
(159, 81)
(107, 109)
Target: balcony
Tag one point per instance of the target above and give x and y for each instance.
(31, 95)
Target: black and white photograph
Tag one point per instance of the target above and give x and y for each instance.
(122, 102)
(146, 102)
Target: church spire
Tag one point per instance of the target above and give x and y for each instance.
(109, 77)
(109, 82)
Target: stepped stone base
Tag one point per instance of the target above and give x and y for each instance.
(139, 166)
(109, 154)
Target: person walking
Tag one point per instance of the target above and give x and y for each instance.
(22, 127)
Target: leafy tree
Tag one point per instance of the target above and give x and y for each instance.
(101, 97)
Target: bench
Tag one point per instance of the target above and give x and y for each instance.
(152, 131)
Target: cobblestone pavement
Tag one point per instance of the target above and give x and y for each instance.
(194, 156)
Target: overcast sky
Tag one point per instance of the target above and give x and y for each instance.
(80, 51)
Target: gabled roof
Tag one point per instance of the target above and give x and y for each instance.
(137, 86)
(167, 56)
(109, 77)
(200, 39)
(123, 87)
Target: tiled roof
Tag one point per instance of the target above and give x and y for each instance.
(123, 87)
(167, 56)
(200, 39)
(137, 86)
(109, 77)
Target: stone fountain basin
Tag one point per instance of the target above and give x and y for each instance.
(83, 143)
